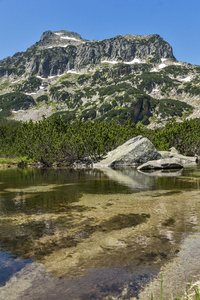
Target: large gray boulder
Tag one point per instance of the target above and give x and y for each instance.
(135, 151)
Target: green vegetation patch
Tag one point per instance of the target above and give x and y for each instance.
(14, 101)
(89, 92)
(66, 116)
(83, 78)
(42, 98)
(109, 90)
(88, 114)
(120, 115)
(4, 84)
(6, 161)
(99, 74)
(30, 85)
(175, 70)
(57, 140)
(173, 108)
(54, 89)
(151, 79)
(59, 94)
(67, 83)
(185, 137)
(191, 89)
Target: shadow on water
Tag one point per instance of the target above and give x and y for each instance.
(100, 232)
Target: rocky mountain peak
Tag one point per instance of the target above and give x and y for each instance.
(46, 35)
(70, 34)
(152, 44)
(60, 38)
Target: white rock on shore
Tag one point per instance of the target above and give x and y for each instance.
(135, 151)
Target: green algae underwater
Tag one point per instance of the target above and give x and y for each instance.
(97, 234)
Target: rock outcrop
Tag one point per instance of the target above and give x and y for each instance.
(182, 159)
(134, 152)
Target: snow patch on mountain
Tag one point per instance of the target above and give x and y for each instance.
(187, 79)
(110, 62)
(69, 38)
(134, 61)
(65, 37)
(161, 66)
(165, 63)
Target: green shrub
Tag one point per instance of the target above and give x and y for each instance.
(184, 136)
(14, 101)
(42, 98)
(30, 85)
(173, 108)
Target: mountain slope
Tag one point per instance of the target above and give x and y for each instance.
(130, 76)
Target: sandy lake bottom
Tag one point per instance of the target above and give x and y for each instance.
(98, 234)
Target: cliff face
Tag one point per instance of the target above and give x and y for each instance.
(59, 52)
(112, 79)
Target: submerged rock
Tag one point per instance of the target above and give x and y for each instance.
(135, 151)
(165, 163)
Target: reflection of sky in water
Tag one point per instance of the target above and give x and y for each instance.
(9, 265)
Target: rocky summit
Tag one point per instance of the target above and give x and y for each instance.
(126, 77)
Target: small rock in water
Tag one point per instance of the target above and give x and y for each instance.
(165, 163)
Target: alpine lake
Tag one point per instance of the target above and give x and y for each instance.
(98, 233)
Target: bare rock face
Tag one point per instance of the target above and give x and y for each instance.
(135, 151)
(77, 53)
(61, 51)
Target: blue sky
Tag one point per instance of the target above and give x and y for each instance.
(22, 22)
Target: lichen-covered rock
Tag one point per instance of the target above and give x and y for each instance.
(135, 151)
(164, 163)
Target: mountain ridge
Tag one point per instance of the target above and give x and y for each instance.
(115, 79)
(123, 48)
